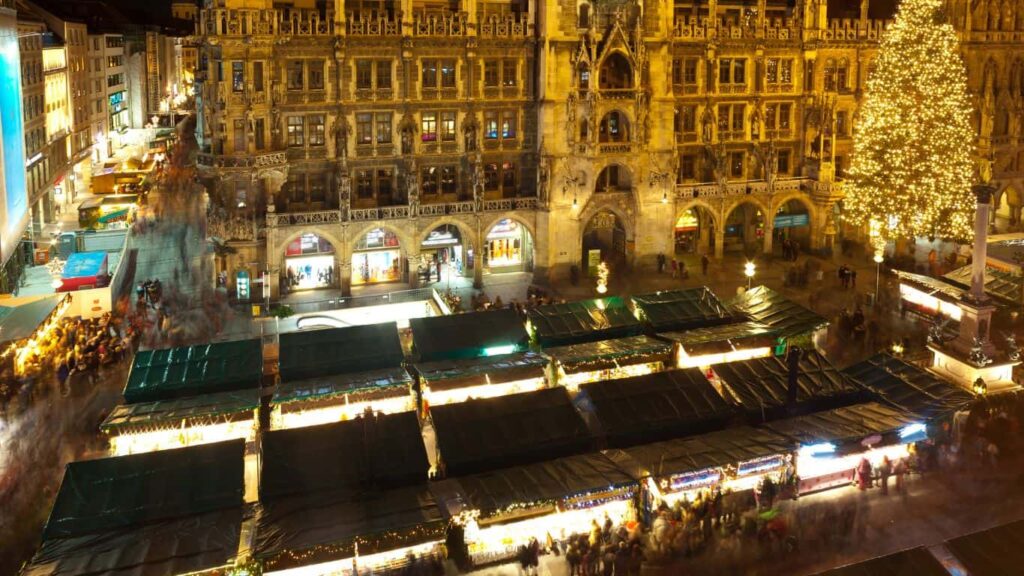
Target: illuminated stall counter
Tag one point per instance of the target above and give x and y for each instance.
(670, 310)
(335, 374)
(579, 364)
(832, 443)
(173, 512)
(162, 425)
(719, 344)
(461, 336)
(490, 433)
(582, 321)
(501, 510)
(759, 387)
(345, 496)
(451, 381)
(733, 460)
(655, 407)
(794, 323)
(929, 296)
(911, 388)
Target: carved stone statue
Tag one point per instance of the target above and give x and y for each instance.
(478, 185)
(340, 130)
(641, 115)
(250, 121)
(707, 122)
(570, 108)
(993, 16)
(543, 178)
(985, 170)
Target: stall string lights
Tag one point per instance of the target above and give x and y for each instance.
(21, 353)
(911, 170)
(382, 541)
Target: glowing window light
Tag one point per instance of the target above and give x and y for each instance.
(281, 420)
(572, 382)
(180, 437)
(499, 350)
(366, 564)
(816, 467)
(913, 432)
(821, 449)
(456, 395)
(704, 360)
(929, 302)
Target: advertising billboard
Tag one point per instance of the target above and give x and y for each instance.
(14, 205)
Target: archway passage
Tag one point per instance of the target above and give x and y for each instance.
(792, 223)
(613, 178)
(508, 247)
(614, 127)
(444, 254)
(1009, 209)
(377, 258)
(309, 263)
(604, 240)
(616, 73)
(744, 230)
(694, 232)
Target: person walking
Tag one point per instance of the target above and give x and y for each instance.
(863, 474)
(675, 267)
(704, 261)
(901, 471)
(884, 471)
(661, 263)
(572, 557)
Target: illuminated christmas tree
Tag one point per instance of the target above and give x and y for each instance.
(911, 171)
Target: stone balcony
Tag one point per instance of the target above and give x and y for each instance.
(242, 161)
(400, 212)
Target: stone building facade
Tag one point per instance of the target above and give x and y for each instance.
(542, 135)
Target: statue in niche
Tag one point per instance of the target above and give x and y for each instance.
(340, 129)
(993, 16)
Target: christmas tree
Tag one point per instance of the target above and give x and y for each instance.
(911, 170)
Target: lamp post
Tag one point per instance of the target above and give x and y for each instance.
(748, 270)
(878, 270)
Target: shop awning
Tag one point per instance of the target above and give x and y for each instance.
(909, 387)
(369, 452)
(20, 322)
(656, 406)
(787, 318)
(1001, 285)
(994, 552)
(913, 562)
(759, 386)
(583, 321)
(325, 352)
(533, 484)
(682, 309)
(468, 335)
(194, 370)
(490, 433)
(721, 448)
(112, 493)
(193, 410)
(386, 383)
(843, 424)
(610, 353)
(452, 374)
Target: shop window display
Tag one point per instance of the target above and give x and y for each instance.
(309, 263)
(508, 247)
(377, 258)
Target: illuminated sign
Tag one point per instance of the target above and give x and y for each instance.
(242, 285)
(790, 220)
(694, 480)
(497, 350)
(440, 238)
(12, 132)
(758, 465)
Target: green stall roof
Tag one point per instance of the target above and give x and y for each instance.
(111, 493)
(583, 321)
(682, 309)
(194, 370)
(909, 387)
(452, 374)
(610, 353)
(468, 335)
(656, 406)
(913, 562)
(489, 433)
(386, 383)
(843, 424)
(171, 413)
(1006, 287)
(997, 551)
(766, 306)
(720, 338)
(325, 352)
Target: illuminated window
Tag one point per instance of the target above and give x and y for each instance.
(238, 76)
(428, 126)
(296, 132)
(316, 129)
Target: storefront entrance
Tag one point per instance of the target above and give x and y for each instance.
(443, 255)
(377, 258)
(792, 222)
(744, 229)
(508, 248)
(309, 263)
(604, 240)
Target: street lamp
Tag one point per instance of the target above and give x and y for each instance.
(748, 270)
(878, 270)
(602, 278)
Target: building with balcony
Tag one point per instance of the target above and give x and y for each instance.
(367, 138)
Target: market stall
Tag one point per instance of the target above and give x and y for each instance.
(25, 324)
(994, 552)
(346, 496)
(84, 270)
(490, 433)
(722, 343)
(577, 364)
(451, 381)
(654, 407)
(733, 460)
(911, 562)
(194, 370)
(115, 212)
(582, 321)
(928, 297)
(911, 388)
(502, 509)
(172, 513)
(789, 320)
(336, 374)
(472, 335)
(669, 310)
(761, 387)
(832, 443)
(178, 422)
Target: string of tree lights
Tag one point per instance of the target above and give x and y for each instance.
(911, 170)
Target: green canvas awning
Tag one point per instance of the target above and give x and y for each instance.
(451, 374)
(20, 322)
(722, 338)
(326, 352)
(994, 552)
(909, 387)
(386, 383)
(608, 354)
(682, 309)
(224, 407)
(785, 317)
(468, 335)
(846, 424)
(583, 321)
(913, 562)
(1001, 285)
(194, 370)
